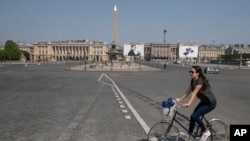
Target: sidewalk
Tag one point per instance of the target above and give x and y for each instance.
(116, 67)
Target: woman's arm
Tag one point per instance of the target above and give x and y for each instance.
(193, 95)
(186, 93)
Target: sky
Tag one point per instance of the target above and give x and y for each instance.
(202, 21)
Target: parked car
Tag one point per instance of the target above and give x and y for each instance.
(211, 70)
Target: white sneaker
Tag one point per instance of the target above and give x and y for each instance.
(205, 135)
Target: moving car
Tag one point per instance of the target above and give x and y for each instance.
(211, 70)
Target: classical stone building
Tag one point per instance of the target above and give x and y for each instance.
(161, 51)
(208, 53)
(70, 50)
(237, 49)
(24, 47)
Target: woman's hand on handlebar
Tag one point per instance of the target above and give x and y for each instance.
(177, 100)
(182, 105)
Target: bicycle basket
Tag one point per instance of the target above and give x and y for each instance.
(169, 111)
(169, 107)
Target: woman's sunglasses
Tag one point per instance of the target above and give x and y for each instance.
(191, 72)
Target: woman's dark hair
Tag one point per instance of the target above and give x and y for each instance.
(204, 78)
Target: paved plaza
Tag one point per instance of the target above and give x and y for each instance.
(49, 102)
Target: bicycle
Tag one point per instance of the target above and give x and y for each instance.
(167, 130)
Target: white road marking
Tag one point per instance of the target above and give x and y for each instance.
(127, 117)
(132, 109)
(124, 111)
(122, 106)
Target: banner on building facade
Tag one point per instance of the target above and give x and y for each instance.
(188, 51)
(133, 49)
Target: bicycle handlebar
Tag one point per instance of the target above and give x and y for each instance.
(180, 106)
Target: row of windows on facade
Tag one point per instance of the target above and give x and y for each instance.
(71, 48)
(71, 53)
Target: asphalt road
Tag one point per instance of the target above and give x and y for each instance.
(49, 103)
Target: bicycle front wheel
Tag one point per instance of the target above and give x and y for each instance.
(219, 130)
(163, 131)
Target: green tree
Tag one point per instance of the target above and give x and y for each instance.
(2, 55)
(12, 50)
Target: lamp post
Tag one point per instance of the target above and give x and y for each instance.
(240, 60)
(129, 63)
(219, 58)
(68, 60)
(121, 62)
(85, 61)
(111, 66)
(139, 62)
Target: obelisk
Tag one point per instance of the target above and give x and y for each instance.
(115, 36)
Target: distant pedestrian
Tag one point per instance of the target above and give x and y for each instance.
(165, 66)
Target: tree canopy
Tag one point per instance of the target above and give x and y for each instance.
(11, 51)
(2, 55)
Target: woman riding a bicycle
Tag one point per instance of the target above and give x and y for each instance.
(199, 87)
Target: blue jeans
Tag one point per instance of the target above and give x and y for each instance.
(201, 109)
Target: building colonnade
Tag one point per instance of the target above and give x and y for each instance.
(69, 50)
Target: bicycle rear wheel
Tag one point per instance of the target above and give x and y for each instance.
(219, 130)
(163, 131)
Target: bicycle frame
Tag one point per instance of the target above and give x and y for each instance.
(168, 129)
(174, 119)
